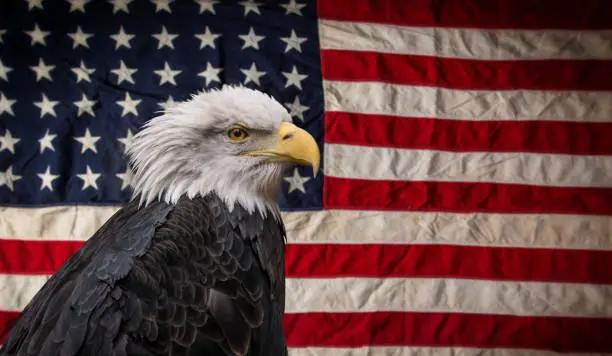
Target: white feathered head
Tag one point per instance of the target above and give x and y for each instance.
(234, 141)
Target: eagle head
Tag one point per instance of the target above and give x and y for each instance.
(234, 142)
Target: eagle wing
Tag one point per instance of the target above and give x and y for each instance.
(181, 280)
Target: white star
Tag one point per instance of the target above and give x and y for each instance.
(251, 39)
(6, 105)
(34, 4)
(296, 181)
(206, 5)
(121, 5)
(122, 38)
(293, 42)
(37, 35)
(165, 38)
(85, 106)
(88, 142)
(2, 32)
(124, 73)
(45, 142)
(82, 72)
(296, 108)
(42, 70)
(207, 38)
(46, 106)
(252, 75)
(9, 178)
(4, 71)
(80, 38)
(8, 142)
(125, 179)
(168, 103)
(129, 105)
(294, 78)
(250, 6)
(78, 5)
(293, 7)
(211, 74)
(47, 179)
(162, 5)
(89, 178)
(128, 136)
(167, 75)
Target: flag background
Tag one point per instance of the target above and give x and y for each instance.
(466, 201)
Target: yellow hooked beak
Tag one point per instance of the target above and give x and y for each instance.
(293, 145)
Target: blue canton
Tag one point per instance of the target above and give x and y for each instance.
(78, 77)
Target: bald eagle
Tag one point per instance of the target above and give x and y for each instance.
(194, 263)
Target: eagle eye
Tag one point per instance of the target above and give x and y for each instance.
(237, 134)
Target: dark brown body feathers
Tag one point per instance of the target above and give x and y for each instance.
(188, 279)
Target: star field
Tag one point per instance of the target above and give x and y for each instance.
(79, 77)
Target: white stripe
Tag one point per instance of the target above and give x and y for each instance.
(383, 163)
(16, 290)
(348, 226)
(420, 101)
(70, 222)
(465, 43)
(422, 351)
(447, 296)
(493, 230)
(403, 294)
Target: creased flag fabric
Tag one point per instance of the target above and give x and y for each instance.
(465, 205)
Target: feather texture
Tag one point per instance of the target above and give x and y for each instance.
(194, 278)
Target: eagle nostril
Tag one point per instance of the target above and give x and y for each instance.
(288, 136)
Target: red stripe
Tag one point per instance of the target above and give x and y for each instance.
(448, 261)
(7, 319)
(504, 14)
(446, 329)
(466, 73)
(464, 197)
(352, 260)
(468, 136)
(434, 329)
(35, 257)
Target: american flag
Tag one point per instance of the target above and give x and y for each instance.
(466, 202)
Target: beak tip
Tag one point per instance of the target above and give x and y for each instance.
(315, 170)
